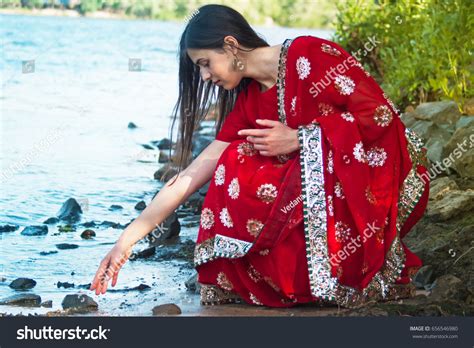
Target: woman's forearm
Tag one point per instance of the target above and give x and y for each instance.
(171, 197)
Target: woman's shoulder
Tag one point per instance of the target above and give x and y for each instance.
(311, 43)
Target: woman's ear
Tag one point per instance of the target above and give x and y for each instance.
(231, 43)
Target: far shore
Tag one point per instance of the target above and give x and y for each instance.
(66, 13)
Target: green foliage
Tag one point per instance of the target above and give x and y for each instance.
(289, 13)
(426, 46)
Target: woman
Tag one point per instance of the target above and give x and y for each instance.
(314, 178)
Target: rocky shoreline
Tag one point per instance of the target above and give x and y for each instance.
(442, 238)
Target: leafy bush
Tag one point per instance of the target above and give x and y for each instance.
(426, 46)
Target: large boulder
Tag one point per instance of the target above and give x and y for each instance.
(441, 112)
(166, 309)
(80, 302)
(23, 284)
(38, 230)
(26, 300)
(70, 211)
(460, 150)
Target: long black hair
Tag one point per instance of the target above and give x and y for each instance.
(207, 28)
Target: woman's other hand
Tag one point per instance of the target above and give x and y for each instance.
(109, 267)
(278, 139)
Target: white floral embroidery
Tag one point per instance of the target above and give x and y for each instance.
(376, 157)
(220, 175)
(343, 232)
(245, 149)
(330, 165)
(394, 107)
(225, 218)
(338, 190)
(234, 188)
(254, 274)
(254, 299)
(293, 106)
(325, 109)
(359, 152)
(330, 206)
(382, 115)
(264, 252)
(267, 193)
(224, 282)
(207, 218)
(254, 227)
(347, 116)
(344, 84)
(331, 50)
(303, 67)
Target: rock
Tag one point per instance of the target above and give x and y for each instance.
(441, 112)
(38, 230)
(51, 221)
(22, 284)
(439, 187)
(66, 228)
(460, 151)
(115, 207)
(8, 228)
(65, 246)
(192, 283)
(449, 287)
(468, 107)
(140, 205)
(194, 202)
(89, 224)
(181, 251)
(111, 224)
(408, 118)
(47, 304)
(167, 309)
(465, 121)
(43, 253)
(200, 142)
(423, 277)
(79, 301)
(163, 144)
(131, 125)
(148, 147)
(87, 234)
(26, 300)
(168, 229)
(453, 203)
(203, 190)
(164, 157)
(143, 254)
(70, 211)
(165, 173)
(65, 285)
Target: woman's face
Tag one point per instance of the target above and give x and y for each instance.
(215, 66)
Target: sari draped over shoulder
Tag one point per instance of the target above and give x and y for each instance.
(324, 223)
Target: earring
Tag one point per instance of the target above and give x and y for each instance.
(238, 64)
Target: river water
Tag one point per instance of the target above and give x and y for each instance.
(69, 89)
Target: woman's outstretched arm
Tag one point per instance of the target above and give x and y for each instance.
(170, 197)
(163, 204)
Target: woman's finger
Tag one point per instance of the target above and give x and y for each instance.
(114, 280)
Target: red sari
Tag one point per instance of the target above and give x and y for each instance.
(326, 222)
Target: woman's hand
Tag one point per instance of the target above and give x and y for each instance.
(278, 139)
(110, 266)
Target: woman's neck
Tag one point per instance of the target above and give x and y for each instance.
(262, 65)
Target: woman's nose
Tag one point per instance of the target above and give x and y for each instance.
(205, 75)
